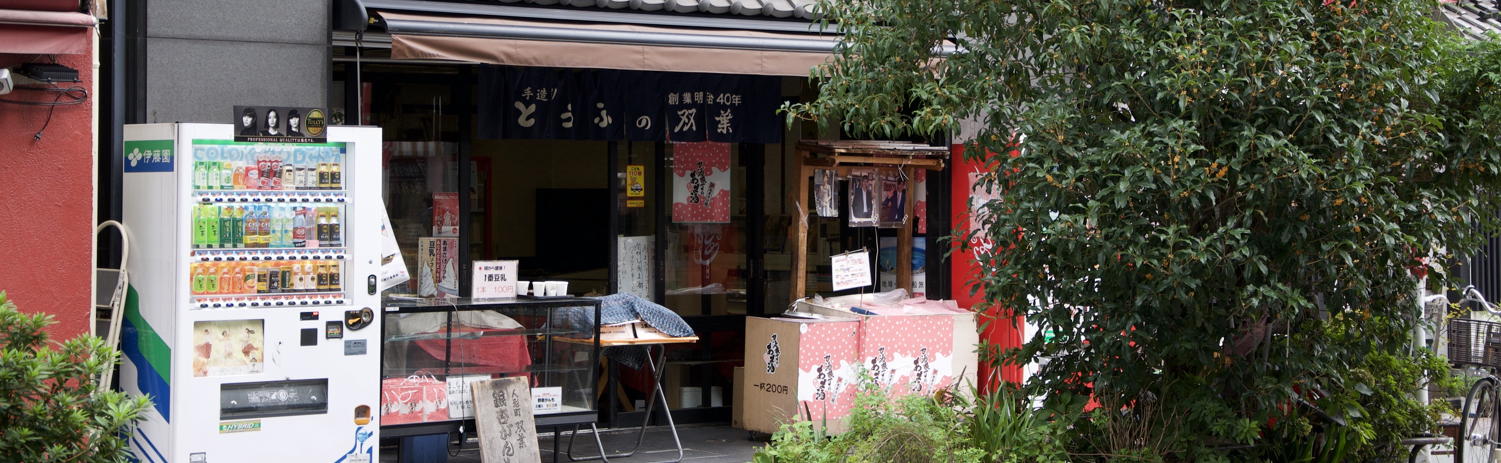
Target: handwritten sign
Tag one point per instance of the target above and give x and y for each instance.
(851, 270)
(633, 265)
(494, 279)
(503, 416)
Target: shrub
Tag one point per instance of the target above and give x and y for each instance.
(51, 409)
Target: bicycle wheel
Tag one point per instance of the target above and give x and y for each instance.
(1478, 423)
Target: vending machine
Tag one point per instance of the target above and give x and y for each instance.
(252, 316)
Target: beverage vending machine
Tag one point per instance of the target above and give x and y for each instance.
(253, 317)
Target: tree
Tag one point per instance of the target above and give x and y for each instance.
(1217, 204)
(51, 407)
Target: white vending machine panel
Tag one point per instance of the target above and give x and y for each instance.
(251, 318)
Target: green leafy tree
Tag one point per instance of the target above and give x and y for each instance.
(51, 407)
(1216, 207)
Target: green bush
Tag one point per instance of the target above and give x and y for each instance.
(51, 409)
(991, 428)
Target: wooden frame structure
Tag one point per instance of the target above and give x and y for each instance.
(842, 156)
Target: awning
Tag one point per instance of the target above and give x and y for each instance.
(604, 46)
(44, 32)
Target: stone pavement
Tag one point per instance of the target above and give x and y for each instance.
(701, 444)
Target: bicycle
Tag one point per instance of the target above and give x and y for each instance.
(1474, 346)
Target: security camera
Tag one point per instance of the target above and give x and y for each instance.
(6, 82)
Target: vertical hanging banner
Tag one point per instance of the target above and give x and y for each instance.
(701, 182)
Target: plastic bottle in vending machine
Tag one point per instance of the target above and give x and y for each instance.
(200, 176)
(226, 175)
(236, 226)
(288, 177)
(299, 228)
(273, 167)
(239, 178)
(273, 277)
(323, 176)
(335, 178)
(252, 226)
(334, 269)
(333, 228)
(252, 177)
(265, 226)
(211, 220)
(323, 240)
(236, 278)
(248, 284)
(286, 276)
(226, 279)
(210, 278)
(285, 227)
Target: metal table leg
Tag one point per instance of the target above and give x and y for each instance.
(656, 395)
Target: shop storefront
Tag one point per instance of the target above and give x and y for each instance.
(635, 153)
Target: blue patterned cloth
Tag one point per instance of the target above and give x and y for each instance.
(623, 308)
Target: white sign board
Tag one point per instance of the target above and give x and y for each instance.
(547, 400)
(851, 270)
(503, 417)
(494, 279)
(460, 403)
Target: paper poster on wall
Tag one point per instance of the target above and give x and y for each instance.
(851, 270)
(633, 268)
(438, 266)
(460, 400)
(701, 182)
(228, 347)
(493, 279)
(635, 185)
(893, 198)
(825, 186)
(979, 196)
(863, 197)
(445, 214)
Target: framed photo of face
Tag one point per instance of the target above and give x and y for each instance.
(863, 188)
(893, 209)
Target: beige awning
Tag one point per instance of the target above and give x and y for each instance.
(604, 46)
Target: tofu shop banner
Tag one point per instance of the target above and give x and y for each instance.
(593, 104)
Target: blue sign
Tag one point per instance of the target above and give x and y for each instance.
(149, 156)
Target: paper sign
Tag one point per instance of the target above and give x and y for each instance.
(460, 403)
(851, 270)
(393, 268)
(494, 279)
(635, 181)
(503, 417)
(445, 214)
(438, 267)
(633, 265)
(701, 182)
(547, 400)
(228, 347)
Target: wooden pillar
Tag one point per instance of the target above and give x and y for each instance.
(800, 231)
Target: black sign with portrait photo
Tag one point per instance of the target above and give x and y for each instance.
(271, 124)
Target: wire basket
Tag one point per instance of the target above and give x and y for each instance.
(1474, 343)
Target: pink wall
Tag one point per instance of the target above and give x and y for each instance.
(47, 201)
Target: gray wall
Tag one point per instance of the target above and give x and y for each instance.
(205, 56)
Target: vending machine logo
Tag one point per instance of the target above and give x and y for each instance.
(148, 156)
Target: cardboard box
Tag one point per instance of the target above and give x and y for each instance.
(797, 369)
(737, 399)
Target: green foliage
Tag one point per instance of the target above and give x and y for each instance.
(51, 409)
(1214, 203)
(992, 428)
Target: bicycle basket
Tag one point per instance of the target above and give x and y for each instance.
(1474, 342)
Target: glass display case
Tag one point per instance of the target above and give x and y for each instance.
(433, 349)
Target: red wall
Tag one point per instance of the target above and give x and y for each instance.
(47, 201)
(1001, 332)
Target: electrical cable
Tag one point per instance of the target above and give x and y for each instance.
(76, 95)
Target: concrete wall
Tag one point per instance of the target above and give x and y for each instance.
(205, 56)
(47, 201)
